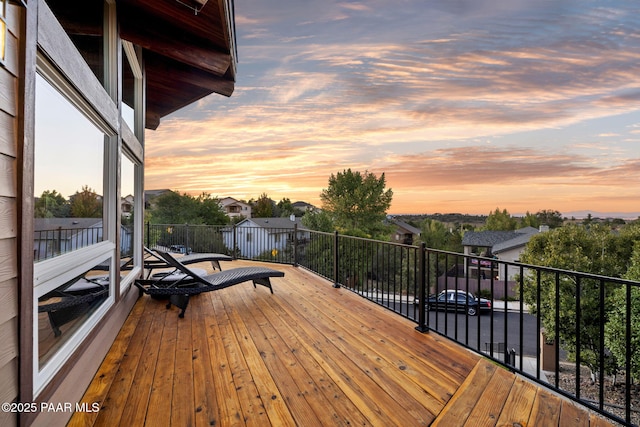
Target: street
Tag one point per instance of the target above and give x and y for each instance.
(465, 329)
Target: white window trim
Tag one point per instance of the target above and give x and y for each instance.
(59, 62)
(42, 375)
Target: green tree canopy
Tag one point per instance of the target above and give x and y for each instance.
(263, 207)
(318, 221)
(616, 327)
(549, 217)
(357, 202)
(174, 208)
(52, 204)
(530, 220)
(285, 208)
(86, 204)
(436, 235)
(501, 221)
(595, 249)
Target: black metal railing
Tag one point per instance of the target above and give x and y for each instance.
(54, 242)
(587, 316)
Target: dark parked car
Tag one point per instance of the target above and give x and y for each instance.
(459, 301)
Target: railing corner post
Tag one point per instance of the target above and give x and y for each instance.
(336, 258)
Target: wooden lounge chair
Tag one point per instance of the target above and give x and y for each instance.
(75, 298)
(180, 290)
(153, 261)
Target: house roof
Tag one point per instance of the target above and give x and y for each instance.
(498, 241)
(303, 206)
(409, 228)
(226, 201)
(187, 55)
(41, 224)
(278, 222)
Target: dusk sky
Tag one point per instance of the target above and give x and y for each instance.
(465, 105)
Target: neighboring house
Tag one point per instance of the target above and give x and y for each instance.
(404, 233)
(501, 245)
(80, 84)
(255, 236)
(126, 206)
(234, 208)
(304, 207)
(151, 195)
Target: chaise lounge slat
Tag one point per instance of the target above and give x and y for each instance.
(193, 284)
(152, 260)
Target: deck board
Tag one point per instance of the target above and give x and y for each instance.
(307, 355)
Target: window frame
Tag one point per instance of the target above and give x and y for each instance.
(60, 63)
(51, 273)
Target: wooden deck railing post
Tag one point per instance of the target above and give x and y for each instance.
(422, 291)
(336, 258)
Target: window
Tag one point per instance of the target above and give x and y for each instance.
(73, 248)
(88, 37)
(129, 238)
(75, 182)
(68, 175)
(131, 84)
(64, 309)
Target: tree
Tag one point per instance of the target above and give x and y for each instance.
(285, 208)
(551, 218)
(616, 328)
(210, 211)
(357, 202)
(436, 235)
(174, 208)
(577, 248)
(86, 204)
(318, 221)
(530, 220)
(263, 207)
(52, 204)
(500, 221)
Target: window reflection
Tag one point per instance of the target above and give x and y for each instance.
(130, 79)
(64, 309)
(127, 203)
(68, 176)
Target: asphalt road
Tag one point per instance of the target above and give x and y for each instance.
(499, 327)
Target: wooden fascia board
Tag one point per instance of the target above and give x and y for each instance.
(204, 58)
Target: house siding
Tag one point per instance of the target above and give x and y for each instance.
(9, 83)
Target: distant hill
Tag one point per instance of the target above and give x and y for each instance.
(602, 215)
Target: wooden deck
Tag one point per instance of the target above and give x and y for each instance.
(307, 355)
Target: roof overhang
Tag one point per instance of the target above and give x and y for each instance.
(188, 47)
